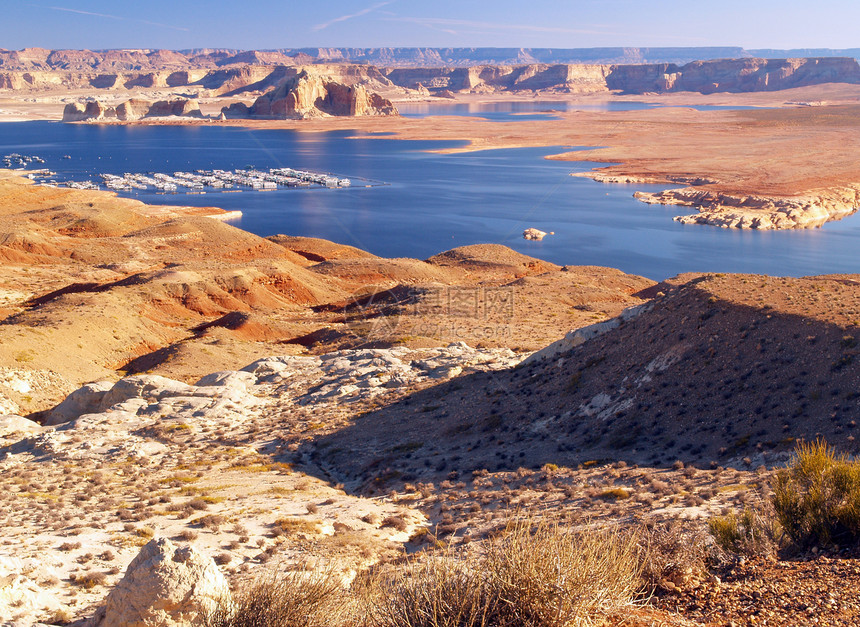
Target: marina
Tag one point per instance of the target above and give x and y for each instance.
(202, 181)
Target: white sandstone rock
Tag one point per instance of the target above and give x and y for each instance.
(164, 586)
(84, 400)
(147, 386)
(11, 424)
(228, 378)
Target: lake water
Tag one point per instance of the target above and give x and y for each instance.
(435, 202)
(518, 111)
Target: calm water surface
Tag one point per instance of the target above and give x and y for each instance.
(435, 202)
(518, 111)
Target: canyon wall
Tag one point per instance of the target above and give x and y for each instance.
(733, 75)
(726, 75)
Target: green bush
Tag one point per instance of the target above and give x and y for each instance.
(752, 532)
(817, 498)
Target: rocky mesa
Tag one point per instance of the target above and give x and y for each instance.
(305, 96)
(130, 110)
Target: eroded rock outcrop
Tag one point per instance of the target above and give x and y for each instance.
(133, 109)
(306, 96)
(801, 211)
(164, 585)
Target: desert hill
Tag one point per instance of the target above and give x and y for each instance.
(94, 285)
(304, 376)
(714, 370)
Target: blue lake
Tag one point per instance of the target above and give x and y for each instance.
(435, 202)
(518, 111)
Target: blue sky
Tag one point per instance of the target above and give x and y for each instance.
(266, 24)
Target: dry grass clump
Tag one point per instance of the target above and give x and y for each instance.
(289, 525)
(292, 599)
(671, 554)
(88, 580)
(530, 575)
(439, 592)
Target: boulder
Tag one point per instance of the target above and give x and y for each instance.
(535, 234)
(130, 110)
(12, 424)
(73, 112)
(93, 110)
(182, 107)
(133, 109)
(164, 586)
(147, 386)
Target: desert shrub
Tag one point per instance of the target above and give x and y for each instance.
(754, 531)
(439, 592)
(546, 575)
(290, 525)
(530, 575)
(88, 580)
(817, 497)
(290, 599)
(671, 553)
(397, 522)
(615, 494)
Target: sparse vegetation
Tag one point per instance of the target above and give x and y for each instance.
(750, 532)
(532, 574)
(294, 599)
(817, 498)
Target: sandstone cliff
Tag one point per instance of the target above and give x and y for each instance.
(727, 75)
(306, 96)
(733, 75)
(133, 109)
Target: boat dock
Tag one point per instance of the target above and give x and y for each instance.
(201, 181)
(196, 182)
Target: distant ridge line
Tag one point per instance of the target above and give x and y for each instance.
(465, 56)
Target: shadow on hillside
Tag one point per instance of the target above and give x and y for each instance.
(698, 379)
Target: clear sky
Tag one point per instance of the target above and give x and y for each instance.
(267, 24)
